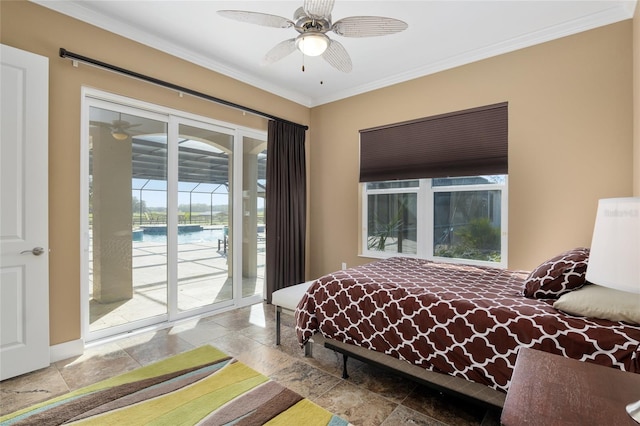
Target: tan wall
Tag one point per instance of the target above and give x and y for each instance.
(570, 141)
(30, 27)
(571, 132)
(636, 102)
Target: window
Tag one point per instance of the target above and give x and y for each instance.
(411, 207)
(461, 219)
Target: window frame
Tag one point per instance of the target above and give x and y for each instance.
(425, 216)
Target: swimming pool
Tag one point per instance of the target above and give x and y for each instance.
(203, 236)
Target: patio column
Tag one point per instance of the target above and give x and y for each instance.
(111, 218)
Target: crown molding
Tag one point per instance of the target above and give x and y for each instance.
(619, 11)
(77, 11)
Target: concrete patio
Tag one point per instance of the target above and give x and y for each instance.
(203, 279)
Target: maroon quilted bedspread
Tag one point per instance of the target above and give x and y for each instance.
(462, 320)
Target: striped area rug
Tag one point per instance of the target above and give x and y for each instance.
(201, 387)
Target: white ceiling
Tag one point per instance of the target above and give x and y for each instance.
(441, 35)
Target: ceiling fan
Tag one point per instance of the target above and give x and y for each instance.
(120, 129)
(313, 21)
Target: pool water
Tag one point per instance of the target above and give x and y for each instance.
(204, 236)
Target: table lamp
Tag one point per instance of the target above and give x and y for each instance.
(614, 259)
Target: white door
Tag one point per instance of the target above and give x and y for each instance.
(24, 258)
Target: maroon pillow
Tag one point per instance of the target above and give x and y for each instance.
(558, 275)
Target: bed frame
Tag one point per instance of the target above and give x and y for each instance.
(286, 300)
(461, 388)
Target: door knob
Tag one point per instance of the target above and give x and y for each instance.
(37, 251)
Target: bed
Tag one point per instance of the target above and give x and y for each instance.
(464, 321)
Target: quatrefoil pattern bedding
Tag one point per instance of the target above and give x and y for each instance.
(559, 275)
(461, 320)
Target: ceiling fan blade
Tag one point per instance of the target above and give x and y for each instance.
(279, 51)
(257, 18)
(122, 124)
(336, 55)
(368, 26)
(318, 9)
(299, 13)
(99, 123)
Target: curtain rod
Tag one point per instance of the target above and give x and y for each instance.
(64, 53)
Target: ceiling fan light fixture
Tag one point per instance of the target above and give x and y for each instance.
(119, 135)
(312, 43)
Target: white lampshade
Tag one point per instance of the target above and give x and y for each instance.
(614, 259)
(312, 44)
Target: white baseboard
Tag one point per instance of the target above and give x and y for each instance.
(66, 350)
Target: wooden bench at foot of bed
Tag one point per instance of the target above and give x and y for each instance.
(456, 386)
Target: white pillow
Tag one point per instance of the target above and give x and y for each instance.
(601, 302)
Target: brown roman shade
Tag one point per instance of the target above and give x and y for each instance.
(463, 143)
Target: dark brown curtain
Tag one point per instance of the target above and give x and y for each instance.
(462, 143)
(286, 206)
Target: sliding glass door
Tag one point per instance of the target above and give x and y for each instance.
(127, 274)
(205, 217)
(161, 212)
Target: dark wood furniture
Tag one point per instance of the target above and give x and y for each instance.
(548, 389)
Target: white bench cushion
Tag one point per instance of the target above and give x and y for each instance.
(289, 297)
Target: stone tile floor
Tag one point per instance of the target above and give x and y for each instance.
(370, 396)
